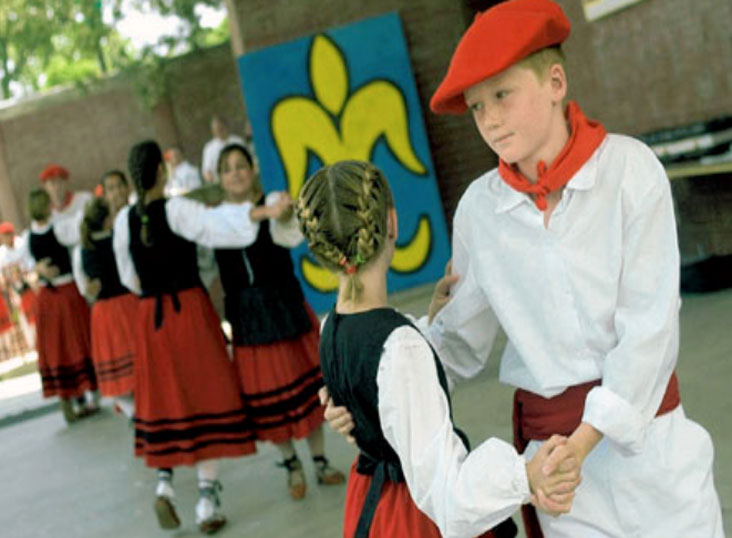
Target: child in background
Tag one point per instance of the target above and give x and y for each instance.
(62, 320)
(114, 310)
(376, 363)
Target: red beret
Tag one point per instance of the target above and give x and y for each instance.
(53, 170)
(498, 38)
(7, 227)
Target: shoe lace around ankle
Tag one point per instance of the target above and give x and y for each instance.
(211, 490)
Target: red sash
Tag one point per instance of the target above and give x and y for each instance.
(538, 418)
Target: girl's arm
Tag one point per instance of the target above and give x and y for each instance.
(121, 244)
(465, 494)
(284, 227)
(223, 226)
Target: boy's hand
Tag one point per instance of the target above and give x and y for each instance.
(46, 270)
(553, 493)
(441, 295)
(339, 419)
(578, 445)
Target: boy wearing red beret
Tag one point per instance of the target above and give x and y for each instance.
(570, 246)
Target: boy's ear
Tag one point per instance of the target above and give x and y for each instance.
(558, 80)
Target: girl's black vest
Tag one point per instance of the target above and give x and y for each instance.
(350, 352)
(99, 264)
(168, 265)
(263, 300)
(46, 245)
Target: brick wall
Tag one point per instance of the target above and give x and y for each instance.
(91, 132)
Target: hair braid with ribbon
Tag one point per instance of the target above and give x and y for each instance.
(342, 211)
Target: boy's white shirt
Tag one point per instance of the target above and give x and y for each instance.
(594, 296)
(463, 493)
(227, 225)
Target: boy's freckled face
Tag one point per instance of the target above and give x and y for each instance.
(513, 112)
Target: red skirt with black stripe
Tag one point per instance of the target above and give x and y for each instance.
(113, 343)
(6, 322)
(280, 383)
(187, 402)
(64, 355)
(396, 514)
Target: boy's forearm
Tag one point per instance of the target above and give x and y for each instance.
(585, 438)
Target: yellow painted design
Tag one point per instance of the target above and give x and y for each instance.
(301, 125)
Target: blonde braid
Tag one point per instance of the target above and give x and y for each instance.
(342, 210)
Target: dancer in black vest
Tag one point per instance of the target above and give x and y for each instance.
(114, 310)
(62, 321)
(188, 409)
(414, 476)
(275, 332)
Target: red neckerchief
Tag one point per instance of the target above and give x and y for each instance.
(585, 136)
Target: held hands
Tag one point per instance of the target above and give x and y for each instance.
(45, 269)
(441, 295)
(282, 209)
(339, 419)
(93, 287)
(554, 474)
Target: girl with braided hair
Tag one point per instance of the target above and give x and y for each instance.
(414, 475)
(188, 410)
(275, 332)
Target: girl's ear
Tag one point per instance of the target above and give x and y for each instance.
(392, 224)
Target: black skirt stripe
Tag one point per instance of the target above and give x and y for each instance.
(193, 418)
(250, 396)
(248, 438)
(289, 419)
(282, 407)
(190, 434)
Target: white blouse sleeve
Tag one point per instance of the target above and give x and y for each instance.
(465, 494)
(224, 226)
(67, 228)
(464, 330)
(77, 270)
(637, 370)
(285, 234)
(121, 244)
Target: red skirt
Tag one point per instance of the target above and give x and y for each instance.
(64, 359)
(113, 343)
(187, 402)
(396, 514)
(280, 383)
(6, 322)
(27, 305)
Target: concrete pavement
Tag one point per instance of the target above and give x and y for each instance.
(83, 482)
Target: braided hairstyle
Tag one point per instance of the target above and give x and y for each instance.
(95, 213)
(143, 163)
(343, 210)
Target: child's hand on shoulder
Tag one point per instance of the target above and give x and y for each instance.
(441, 295)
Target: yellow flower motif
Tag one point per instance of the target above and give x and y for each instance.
(301, 125)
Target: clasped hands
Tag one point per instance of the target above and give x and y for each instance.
(553, 473)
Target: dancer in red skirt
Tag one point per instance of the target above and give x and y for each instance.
(14, 273)
(414, 476)
(115, 307)
(62, 321)
(188, 409)
(275, 332)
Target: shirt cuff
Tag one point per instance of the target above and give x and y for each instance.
(617, 419)
(521, 480)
